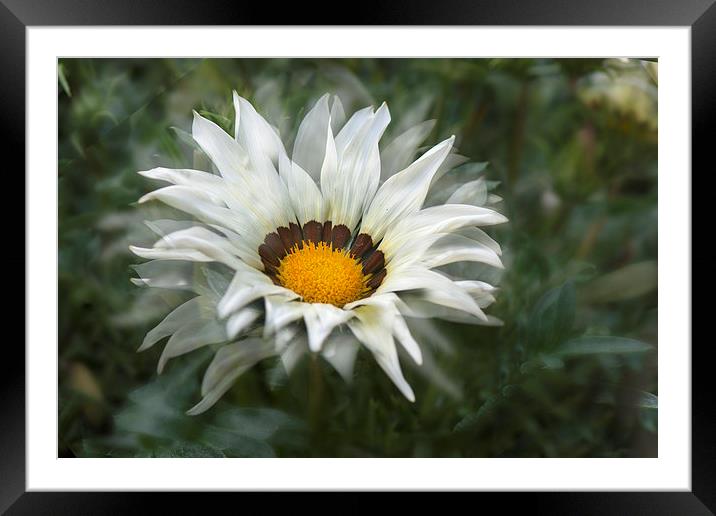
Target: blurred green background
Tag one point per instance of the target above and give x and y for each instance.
(571, 373)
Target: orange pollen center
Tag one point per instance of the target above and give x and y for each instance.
(320, 274)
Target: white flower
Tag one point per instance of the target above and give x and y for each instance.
(321, 251)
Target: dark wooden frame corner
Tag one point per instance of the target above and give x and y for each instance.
(17, 15)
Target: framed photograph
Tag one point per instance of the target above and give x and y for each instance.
(447, 250)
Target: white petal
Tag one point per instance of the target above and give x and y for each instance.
(237, 354)
(479, 235)
(370, 328)
(426, 330)
(480, 291)
(177, 318)
(228, 364)
(329, 172)
(352, 127)
(449, 217)
(212, 396)
(256, 136)
(306, 198)
(455, 248)
(212, 284)
(399, 153)
(382, 345)
(244, 195)
(172, 274)
(402, 333)
(434, 220)
(191, 255)
(309, 149)
(472, 192)
(477, 287)
(264, 148)
(189, 337)
(240, 321)
(386, 303)
(493, 199)
(436, 288)
(206, 242)
(229, 158)
(470, 270)
(244, 249)
(453, 160)
(404, 193)
(416, 306)
(209, 184)
(321, 319)
(358, 172)
(162, 227)
(280, 311)
(338, 114)
(340, 350)
(247, 286)
(196, 203)
(293, 353)
(260, 181)
(454, 298)
(285, 336)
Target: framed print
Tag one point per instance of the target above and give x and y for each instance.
(430, 252)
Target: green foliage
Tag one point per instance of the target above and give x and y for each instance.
(553, 317)
(570, 373)
(153, 424)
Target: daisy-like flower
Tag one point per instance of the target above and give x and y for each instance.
(323, 251)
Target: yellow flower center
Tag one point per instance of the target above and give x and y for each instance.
(321, 274)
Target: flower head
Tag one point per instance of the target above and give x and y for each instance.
(323, 251)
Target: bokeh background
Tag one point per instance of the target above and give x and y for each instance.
(571, 146)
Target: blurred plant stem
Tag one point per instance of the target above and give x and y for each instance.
(315, 396)
(590, 238)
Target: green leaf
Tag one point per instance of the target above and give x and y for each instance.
(553, 317)
(234, 444)
(124, 445)
(472, 419)
(590, 345)
(156, 410)
(186, 450)
(629, 282)
(256, 423)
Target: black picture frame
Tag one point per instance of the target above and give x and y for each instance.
(699, 15)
